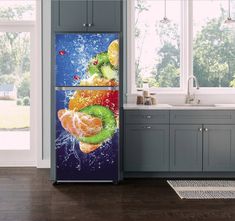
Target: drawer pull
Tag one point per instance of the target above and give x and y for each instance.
(148, 117)
(200, 129)
(206, 129)
(148, 127)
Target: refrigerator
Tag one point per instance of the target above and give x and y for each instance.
(86, 144)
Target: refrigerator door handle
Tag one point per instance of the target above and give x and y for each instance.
(86, 88)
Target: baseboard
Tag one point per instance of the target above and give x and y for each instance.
(18, 164)
(180, 175)
(43, 164)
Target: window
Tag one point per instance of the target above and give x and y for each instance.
(157, 45)
(213, 45)
(17, 10)
(17, 33)
(195, 41)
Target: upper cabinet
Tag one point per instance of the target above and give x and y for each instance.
(86, 15)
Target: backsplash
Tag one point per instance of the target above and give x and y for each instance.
(180, 98)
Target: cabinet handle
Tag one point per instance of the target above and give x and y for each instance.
(84, 25)
(148, 117)
(148, 127)
(206, 129)
(90, 24)
(200, 129)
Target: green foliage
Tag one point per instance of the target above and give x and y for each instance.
(213, 55)
(167, 70)
(19, 102)
(24, 86)
(14, 13)
(26, 101)
(8, 79)
(15, 51)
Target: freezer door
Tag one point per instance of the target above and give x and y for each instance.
(87, 135)
(87, 59)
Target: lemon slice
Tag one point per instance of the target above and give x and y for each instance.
(113, 53)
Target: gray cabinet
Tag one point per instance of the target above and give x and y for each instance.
(69, 15)
(104, 15)
(146, 148)
(179, 141)
(219, 148)
(86, 15)
(186, 147)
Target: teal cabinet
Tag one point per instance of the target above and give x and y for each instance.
(146, 148)
(198, 141)
(219, 148)
(104, 15)
(186, 148)
(86, 15)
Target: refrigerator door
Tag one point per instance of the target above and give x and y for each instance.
(87, 59)
(87, 135)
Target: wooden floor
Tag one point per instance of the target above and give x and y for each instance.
(28, 195)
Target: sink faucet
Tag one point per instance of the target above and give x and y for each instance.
(191, 98)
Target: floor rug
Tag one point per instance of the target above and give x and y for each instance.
(204, 189)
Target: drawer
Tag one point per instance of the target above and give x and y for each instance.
(146, 117)
(202, 117)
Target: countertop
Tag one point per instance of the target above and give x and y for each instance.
(179, 107)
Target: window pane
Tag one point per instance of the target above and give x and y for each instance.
(14, 90)
(213, 44)
(157, 45)
(23, 10)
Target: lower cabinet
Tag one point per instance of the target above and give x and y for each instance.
(188, 141)
(146, 148)
(209, 148)
(219, 148)
(186, 148)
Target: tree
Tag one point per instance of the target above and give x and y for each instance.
(167, 69)
(8, 79)
(14, 46)
(214, 54)
(24, 86)
(140, 36)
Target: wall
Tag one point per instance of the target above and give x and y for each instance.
(46, 61)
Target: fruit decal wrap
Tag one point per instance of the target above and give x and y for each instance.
(87, 59)
(87, 131)
(91, 117)
(87, 120)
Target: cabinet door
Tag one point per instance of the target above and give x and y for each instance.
(219, 148)
(146, 148)
(186, 148)
(69, 15)
(104, 15)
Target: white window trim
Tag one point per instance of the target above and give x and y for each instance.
(34, 27)
(186, 55)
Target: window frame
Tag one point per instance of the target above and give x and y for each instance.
(186, 55)
(33, 156)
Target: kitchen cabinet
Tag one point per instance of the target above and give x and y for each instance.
(146, 148)
(219, 148)
(182, 141)
(186, 148)
(86, 15)
(209, 148)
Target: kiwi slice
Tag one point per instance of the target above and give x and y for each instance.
(109, 73)
(108, 120)
(96, 62)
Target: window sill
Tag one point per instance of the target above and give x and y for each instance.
(201, 91)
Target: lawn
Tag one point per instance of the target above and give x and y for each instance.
(13, 116)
